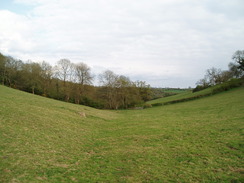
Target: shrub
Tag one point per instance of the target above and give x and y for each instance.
(147, 106)
(199, 88)
(157, 104)
(233, 83)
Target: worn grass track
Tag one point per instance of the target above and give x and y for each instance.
(43, 140)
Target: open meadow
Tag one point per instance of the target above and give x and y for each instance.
(44, 140)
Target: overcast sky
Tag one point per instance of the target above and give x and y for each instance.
(167, 43)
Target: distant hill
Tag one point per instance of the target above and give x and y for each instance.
(165, 92)
(189, 95)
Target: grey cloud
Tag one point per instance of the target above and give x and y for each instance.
(158, 39)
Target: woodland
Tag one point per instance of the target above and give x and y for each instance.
(73, 82)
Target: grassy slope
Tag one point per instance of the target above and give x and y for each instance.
(44, 140)
(186, 94)
(174, 90)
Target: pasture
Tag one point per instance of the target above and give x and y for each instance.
(44, 140)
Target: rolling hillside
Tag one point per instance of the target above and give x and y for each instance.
(43, 140)
(189, 95)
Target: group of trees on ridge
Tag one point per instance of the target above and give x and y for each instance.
(73, 82)
(216, 76)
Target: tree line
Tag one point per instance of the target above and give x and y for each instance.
(216, 76)
(73, 82)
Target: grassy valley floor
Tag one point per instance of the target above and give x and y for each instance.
(43, 140)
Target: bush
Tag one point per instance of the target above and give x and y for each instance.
(147, 106)
(228, 85)
(199, 88)
(157, 104)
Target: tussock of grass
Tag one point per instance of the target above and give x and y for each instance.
(43, 140)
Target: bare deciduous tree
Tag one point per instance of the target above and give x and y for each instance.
(46, 74)
(238, 56)
(213, 76)
(83, 74)
(63, 72)
(83, 77)
(109, 79)
(63, 69)
(235, 71)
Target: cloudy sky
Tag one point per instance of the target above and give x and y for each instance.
(167, 43)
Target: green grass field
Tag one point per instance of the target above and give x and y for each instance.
(185, 94)
(174, 90)
(43, 140)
